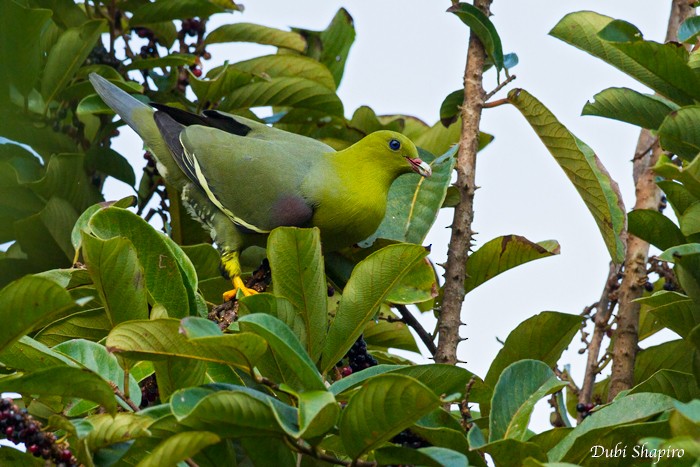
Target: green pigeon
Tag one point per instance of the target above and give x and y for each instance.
(241, 178)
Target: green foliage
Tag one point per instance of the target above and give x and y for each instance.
(97, 305)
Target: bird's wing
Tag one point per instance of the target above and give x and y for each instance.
(254, 179)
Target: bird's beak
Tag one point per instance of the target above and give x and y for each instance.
(420, 167)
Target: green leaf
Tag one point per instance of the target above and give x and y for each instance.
(681, 386)
(449, 109)
(165, 279)
(431, 456)
(519, 388)
(679, 132)
(269, 451)
(298, 275)
(91, 324)
(687, 260)
(118, 277)
(688, 175)
(414, 201)
(165, 11)
(20, 36)
(318, 413)
(482, 26)
(284, 91)
(179, 447)
(172, 60)
(275, 66)
(369, 285)
(662, 67)
(111, 163)
(97, 359)
(159, 338)
(332, 45)
(45, 237)
(29, 303)
(620, 31)
(676, 311)
(542, 337)
(386, 405)
(386, 333)
(234, 411)
(66, 178)
(278, 307)
(504, 253)
(66, 56)
(629, 409)
(627, 105)
(595, 186)
(62, 381)
(513, 453)
(248, 32)
(28, 355)
(678, 196)
(16, 458)
(655, 228)
(107, 429)
(286, 347)
(689, 30)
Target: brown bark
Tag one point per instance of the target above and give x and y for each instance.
(647, 197)
(460, 241)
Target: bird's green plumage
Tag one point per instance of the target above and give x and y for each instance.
(242, 178)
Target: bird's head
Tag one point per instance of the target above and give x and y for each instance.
(395, 150)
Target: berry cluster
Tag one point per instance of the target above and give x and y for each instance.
(663, 203)
(409, 439)
(19, 427)
(584, 409)
(358, 357)
(149, 392)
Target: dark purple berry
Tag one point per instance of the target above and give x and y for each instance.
(580, 407)
(649, 287)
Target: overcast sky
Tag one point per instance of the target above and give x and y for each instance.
(408, 55)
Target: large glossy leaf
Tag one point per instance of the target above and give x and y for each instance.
(20, 33)
(298, 275)
(299, 93)
(504, 253)
(182, 9)
(681, 386)
(160, 338)
(318, 413)
(111, 163)
(386, 405)
(178, 448)
(286, 347)
(687, 260)
(66, 178)
(165, 279)
(655, 228)
(106, 429)
(414, 201)
(29, 303)
(332, 45)
(248, 32)
(676, 311)
(688, 175)
(27, 354)
(595, 186)
(482, 26)
(680, 133)
(370, 283)
(234, 411)
(514, 453)
(689, 29)
(632, 408)
(62, 381)
(662, 67)
(66, 56)
(278, 307)
(627, 105)
(518, 389)
(431, 456)
(118, 277)
(273, 66)
(542, 337)
(91, 324)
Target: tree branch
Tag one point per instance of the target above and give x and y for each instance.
(410, 320)
(648, 196)
(460, 241)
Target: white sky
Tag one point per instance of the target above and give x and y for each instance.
(408, 55)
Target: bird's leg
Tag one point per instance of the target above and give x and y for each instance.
(232, 266)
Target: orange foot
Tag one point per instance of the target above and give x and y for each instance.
(238, 285)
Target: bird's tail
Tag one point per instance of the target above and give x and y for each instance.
(139, 116)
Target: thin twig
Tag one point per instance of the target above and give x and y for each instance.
(410, 320)
(498, 88)
(496, 103)
(121, 395)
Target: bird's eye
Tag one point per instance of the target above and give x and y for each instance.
(394, 144)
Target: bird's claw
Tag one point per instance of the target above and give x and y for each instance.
(238, 285)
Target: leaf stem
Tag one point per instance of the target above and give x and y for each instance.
(410, 320)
